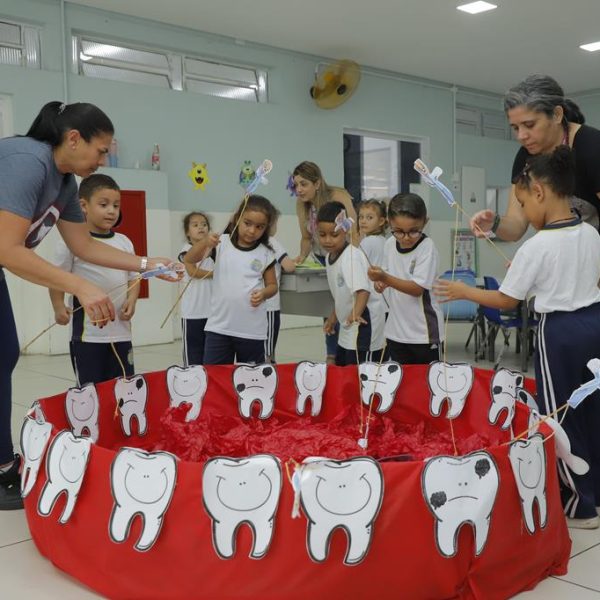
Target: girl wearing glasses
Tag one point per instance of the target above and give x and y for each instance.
(414, 328)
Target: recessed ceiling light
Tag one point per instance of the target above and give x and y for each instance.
(474, 8)
(591, 47)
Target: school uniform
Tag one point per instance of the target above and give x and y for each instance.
(346, 275)
(274, 303)
(235, 330)
(415, 325)
(195, 309)
(92, 354)
(560, 266)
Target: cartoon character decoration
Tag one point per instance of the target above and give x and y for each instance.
(255, 383)
(131, 396)
(34, 439)
(505, 390)
(379, 380)
(187, 385)
(142, 484)
(290, 185)
(82, 408)
(247, 173)
(450, 383)
(310, 379)
(199, 175)
(242, 490)
(528, 462)
(459, 490)
(340, 493)
(66, 462)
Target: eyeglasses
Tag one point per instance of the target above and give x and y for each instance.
(413, 234)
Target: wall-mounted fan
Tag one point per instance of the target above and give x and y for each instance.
(335, 84)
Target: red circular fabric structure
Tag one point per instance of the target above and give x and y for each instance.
(403, 560)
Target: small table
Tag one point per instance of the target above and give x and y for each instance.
(306, 292)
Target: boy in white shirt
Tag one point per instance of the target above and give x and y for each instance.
(357, 307)
(92, 355)
(560, 266)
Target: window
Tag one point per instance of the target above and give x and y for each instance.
(379, 166)
(107, 60)
(482, 122)
(19, 45)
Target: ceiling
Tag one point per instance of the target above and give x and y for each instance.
(425, 38)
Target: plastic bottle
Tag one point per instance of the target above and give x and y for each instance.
(156, 158)
(113, 154)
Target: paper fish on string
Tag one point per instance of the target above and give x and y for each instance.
(260, 176)
(432, 180)
(199, 175)
(588, 388)
(247, 173)
(343, 222)
(290, 185)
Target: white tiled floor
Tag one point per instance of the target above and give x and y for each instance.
(40, 376)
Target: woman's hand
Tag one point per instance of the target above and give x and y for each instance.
(481, 223)
(97, 305)
(177, 267)
(445, 290)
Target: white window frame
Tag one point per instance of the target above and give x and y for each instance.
(30, 44)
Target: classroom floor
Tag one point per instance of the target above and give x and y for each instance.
(25, 574)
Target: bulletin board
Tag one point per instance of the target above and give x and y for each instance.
(464, 249)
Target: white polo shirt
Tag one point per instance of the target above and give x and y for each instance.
(274, 303)
(195, 302)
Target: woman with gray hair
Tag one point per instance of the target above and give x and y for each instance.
(542, 119)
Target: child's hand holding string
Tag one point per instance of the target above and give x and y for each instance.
(445, 290)
(376, 274)
(355, 319)
(257, 297)
(62, 315)
(127, 310)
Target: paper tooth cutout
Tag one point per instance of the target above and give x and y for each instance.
(66, 462)
(379, 380)
(505, 389)
(340, 493)
(142, 484)
(187, 385)
(589, 387)
(34, 439)
(528, 462)
(449, 383)
(255, 383)
(310, 379)
(131, 396)
(242, 490)
(460, 490)
(82, 407)
(562, 443)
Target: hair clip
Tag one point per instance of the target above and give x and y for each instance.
(61, 108)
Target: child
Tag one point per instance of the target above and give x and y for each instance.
(195, 303)
(372, 215)
(243, 278)
(285, 263)
(356, 306)
(92, 355)
(559, 266)
(414, 328)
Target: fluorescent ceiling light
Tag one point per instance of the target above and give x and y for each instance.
(474, 8)
(591, 47)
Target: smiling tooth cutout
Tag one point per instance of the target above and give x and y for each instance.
(242, 490)
(379, 380)
(460, 490)
(131, 396)
(340, 493)
(310, 379)
(142, 484)
(34, 439)
(255, 383)
(505, 388)
(82, 408)
(528, 462)
(187, 385)
(66, 462)
(451, 383)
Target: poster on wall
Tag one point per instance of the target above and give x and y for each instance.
(464, 248)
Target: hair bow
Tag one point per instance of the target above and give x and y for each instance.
(432, 179)
(291, 186)
(343, 222)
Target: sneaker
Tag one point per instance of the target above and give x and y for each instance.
(586, 523)
(10, 487)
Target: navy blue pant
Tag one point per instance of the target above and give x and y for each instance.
(273, 325)
(566, 341)
(413, 354)
(227, 349)
(94, 363)
(345, 357)
(9, 354)
(193, 341)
